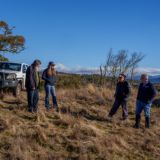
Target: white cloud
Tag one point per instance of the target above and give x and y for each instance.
(62, 67)
(95, 70)
(78, 69)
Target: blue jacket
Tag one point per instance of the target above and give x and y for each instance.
(49, 80)
(146, 92)
(123, 90)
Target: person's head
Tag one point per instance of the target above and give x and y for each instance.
(121, 77)
(51, 69)
(36, 64)
(144, 78)
(51, 65)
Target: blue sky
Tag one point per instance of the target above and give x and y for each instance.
(81, 32)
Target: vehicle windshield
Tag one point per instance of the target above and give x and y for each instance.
(10, 66)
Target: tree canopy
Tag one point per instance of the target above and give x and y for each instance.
(9, 42)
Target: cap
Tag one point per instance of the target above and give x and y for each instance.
(51, 63)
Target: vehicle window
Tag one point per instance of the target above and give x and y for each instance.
(10, 66)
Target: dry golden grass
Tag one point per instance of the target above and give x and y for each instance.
(79, 132)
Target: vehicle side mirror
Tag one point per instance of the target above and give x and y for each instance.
(24, 70)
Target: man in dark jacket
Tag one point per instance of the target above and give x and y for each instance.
(121, 97)
(32, 85)
(145, 97)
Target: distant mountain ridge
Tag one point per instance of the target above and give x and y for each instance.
(154, 73)
(152, 78)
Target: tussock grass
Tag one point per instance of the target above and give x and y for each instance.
(79, 132)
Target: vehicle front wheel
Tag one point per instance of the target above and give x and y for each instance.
(17, 90)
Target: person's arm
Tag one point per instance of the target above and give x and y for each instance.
(26, 80)
(153, 93)
(139, 88)
(39, 84)
(115, 94)
(128, 89)
(44, 76)
(31, 77)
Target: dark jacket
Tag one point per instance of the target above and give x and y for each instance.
(146, 92)
(49, 80)
(123, 90)
(31, 81)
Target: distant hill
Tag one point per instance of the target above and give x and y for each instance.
(153, 79)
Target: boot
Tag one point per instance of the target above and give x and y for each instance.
(147, 122)
(57, 108)
(137, 124)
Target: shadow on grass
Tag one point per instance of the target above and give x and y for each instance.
(83, 113)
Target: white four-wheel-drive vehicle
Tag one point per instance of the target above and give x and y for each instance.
(13, 76)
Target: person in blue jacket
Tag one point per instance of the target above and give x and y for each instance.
(145, 97)
(49, 76)
(122, 93)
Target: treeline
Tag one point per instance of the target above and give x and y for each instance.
(121, 62)
(75, 81)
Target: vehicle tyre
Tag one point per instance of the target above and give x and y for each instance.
(17, 90)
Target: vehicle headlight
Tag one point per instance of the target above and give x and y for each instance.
(11, 76)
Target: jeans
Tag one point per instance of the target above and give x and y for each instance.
(32, 97)
(116, 105)
(143, 106)
(50, 90)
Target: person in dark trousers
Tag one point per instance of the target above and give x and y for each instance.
(145, 97)
(49, 76)
(122, 93)
(32, 85)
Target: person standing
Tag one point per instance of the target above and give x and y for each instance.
(32, 85)
(49, 76)
(122, 93)
(145, 97)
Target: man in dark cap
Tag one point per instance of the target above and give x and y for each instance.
(121, 97)
(32, 85)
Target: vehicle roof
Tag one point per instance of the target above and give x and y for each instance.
(13, 62)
